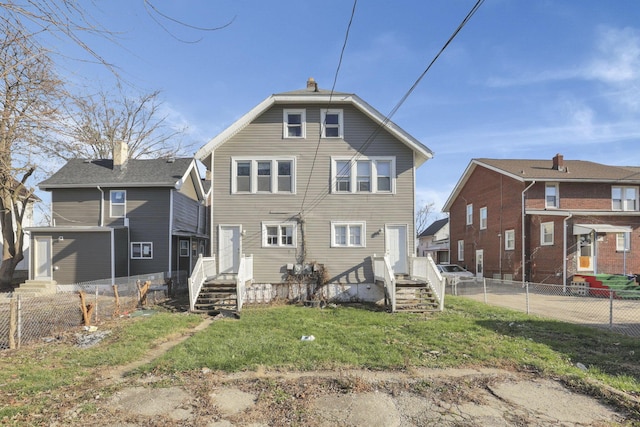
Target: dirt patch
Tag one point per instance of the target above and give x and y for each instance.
(419, 397)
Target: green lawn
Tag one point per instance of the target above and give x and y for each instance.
(466, 334)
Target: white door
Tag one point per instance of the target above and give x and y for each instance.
(42, 261)
(479, 263)
(396, 246)
(228, 248)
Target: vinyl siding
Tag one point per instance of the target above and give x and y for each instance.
(264, 137)
(148, 213)
(80, 256)
(188, 214)
(77, 206)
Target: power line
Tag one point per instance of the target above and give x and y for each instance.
(335, 79)
(387, 118)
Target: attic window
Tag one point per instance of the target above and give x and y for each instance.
(294, 123)
(332, 124)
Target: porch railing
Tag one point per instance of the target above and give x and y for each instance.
(205, 267)
(424, 268)
(245, 274)
(382, 271)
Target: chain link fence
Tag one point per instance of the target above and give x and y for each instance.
(25, 319)
(616, 310)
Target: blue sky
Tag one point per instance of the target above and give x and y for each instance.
(523, 79)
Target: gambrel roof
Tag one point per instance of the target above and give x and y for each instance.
(80, 173)
(326, 99)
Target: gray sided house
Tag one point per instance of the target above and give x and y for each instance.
(310, 177)
(118, 218)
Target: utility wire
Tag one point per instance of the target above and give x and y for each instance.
(335, 79)
(387, 119)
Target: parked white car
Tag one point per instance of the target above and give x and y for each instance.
(454, 273)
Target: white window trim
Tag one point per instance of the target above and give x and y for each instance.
(285, 123)
(183, 254)
(353, 183)
(623, 199)
(111, 204)
(460, 250)
(142, 244)
(254, 174)
(623, 244)
(469, 214)
(556, 186)
(507, 246)
(348, 224)
(553, 232)
(279, 224)
(323, 115)
(483, 219)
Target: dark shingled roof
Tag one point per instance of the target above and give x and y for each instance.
(145, 173)
(434, 227)
(528, 169)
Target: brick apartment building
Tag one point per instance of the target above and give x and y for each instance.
(574, 217)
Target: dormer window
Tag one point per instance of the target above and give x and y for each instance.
(295, 123)
(332, 124)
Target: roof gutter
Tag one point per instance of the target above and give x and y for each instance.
(523, 233)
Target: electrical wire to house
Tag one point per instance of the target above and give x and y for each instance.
(359, 152)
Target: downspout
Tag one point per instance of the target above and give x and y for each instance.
(171, 231)
(113, 257)
(523, 234)
(101, 205)
(564, 255)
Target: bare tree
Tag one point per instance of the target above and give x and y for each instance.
(74, 21)
(95, 123)
(423, 216)
(29, 95)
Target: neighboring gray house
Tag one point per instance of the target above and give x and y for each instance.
(434, 241)
(116, 218)
(313, 176)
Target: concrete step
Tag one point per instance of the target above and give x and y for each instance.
(36, 288)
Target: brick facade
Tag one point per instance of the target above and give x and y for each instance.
(583, 203)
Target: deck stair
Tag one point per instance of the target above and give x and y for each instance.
(218, 294)
(414, 295)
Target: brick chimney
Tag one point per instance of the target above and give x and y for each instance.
(558, 163)
(120, 154)
(312, 86)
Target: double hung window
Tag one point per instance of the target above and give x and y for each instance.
(118, 203)
(624, 198)
(364, 175)
(263, 175)
(332, 124)
(294, 123)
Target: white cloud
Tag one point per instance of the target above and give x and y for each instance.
(618, 56)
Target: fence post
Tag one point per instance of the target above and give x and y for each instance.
(13, 322)
(96, 310)
(610, 309)
(484, 287)
(526, 285)
(19, 321)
